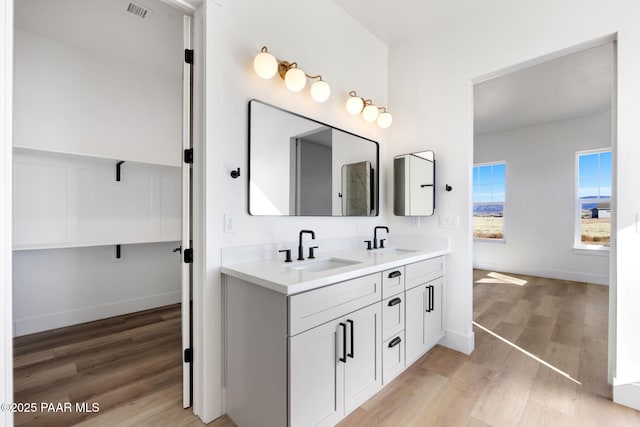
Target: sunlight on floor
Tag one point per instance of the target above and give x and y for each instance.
(534, 357)
(494, 277)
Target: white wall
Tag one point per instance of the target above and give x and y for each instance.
(540, 210)
(80, 101)
(322, 39)
(6, 101)
(63, 200)
(430, 87)
(60, 287)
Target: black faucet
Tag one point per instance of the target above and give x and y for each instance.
(375, 236)
(300, 248)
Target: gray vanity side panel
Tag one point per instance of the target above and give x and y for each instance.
(256, 354)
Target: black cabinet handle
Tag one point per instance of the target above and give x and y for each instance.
(344, 343)
(350, 322)
(394, 274)
(394, 301)
(394, 342)
(430, 303)
(428, 290)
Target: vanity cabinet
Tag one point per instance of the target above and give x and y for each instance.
(311, 358)
(423, 311)
(334, 368)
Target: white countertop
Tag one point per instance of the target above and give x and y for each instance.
(279, 276)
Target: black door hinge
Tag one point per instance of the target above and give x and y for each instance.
(187, 355)
(188, 56)
(188, 155)
(188, 256)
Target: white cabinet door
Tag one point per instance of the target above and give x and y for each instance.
(316, 375)
(414, 309)
(433, 313)
(363, 370)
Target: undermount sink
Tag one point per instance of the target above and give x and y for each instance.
(393, 251)
(323, 264)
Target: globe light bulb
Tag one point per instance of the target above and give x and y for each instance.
(370, 113)
(320, 91)
(295, 79)
(384, 120)
(265, 64)
(354, 105)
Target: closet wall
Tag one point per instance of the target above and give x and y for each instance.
(95, 87)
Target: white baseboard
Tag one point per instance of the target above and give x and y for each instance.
(575, 276)
(61, 319)
(627, 395)
(464, 343)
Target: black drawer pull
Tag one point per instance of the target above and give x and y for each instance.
(394, 342)
(394, 274)
(394, 301)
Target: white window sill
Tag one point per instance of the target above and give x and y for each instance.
(592, 251)
(489, 241)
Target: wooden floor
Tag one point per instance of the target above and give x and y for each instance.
(563, 323)
(130, 366)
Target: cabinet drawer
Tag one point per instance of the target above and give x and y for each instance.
(392, 316)
(392, 357)
(309, 309)
(392, 282)
(423, 271)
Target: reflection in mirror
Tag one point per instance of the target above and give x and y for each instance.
(357, 189)
(414, 184)
(298, 166)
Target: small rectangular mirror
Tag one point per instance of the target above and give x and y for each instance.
(299, 166)
(414, 179)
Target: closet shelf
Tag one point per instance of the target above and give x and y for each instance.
(46, 246)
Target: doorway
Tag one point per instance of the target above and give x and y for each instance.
(541, 278)
(97, 143)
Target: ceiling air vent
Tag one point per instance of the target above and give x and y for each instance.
(139, 11)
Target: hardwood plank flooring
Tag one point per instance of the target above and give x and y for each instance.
(563, 323)
(129, 365)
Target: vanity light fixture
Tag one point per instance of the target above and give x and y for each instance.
(266, 66)
(370, 113)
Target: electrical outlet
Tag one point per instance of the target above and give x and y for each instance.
(229, 223)
(449, 221)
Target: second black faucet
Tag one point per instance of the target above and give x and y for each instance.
(375, 236)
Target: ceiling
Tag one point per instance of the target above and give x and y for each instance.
(571, 86)
(567, 87)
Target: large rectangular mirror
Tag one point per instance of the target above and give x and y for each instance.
(414, 178)
(299, 166)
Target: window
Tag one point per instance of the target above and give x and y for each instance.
(593, 225)
(488, 201)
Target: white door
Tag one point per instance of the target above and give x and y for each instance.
(317, 360)
(186, 220)
(363, 370)
(414, 323)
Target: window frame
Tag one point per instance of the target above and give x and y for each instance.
(504, 203)
(579, 247)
